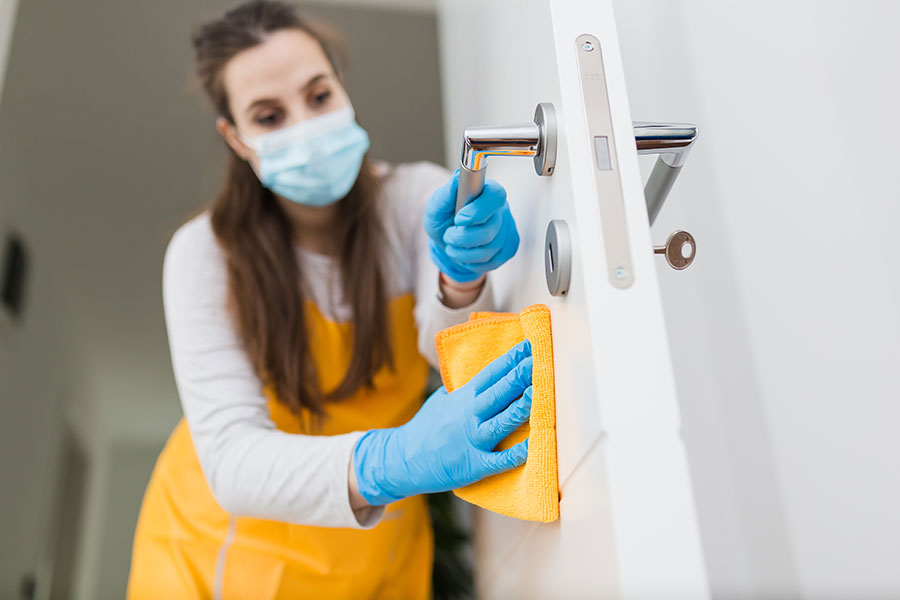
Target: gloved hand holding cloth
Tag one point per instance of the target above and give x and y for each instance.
(450, 442)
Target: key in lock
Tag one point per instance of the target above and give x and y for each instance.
(680, 250)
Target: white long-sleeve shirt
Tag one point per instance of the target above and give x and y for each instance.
(253, 469)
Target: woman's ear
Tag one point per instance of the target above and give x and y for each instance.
(229, 134)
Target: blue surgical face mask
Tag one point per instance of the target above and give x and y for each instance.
(314, 162)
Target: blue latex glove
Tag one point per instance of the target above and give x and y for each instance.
(449, 443)
(479, 238)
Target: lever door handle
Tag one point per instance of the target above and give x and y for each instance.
(672, 141)
(536, 139)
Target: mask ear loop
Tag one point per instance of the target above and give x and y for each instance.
(248, 142)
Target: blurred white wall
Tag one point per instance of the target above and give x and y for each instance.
(786, 330)
(106, 146)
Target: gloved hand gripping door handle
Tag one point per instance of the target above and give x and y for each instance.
(537, 140)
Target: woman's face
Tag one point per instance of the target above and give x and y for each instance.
(280, 82)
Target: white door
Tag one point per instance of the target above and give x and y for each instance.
(628, 527)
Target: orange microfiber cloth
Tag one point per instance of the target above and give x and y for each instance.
(529, 492)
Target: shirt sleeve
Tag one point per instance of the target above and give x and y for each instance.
(253, 469)
(431, 314)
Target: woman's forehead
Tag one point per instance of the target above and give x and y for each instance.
(282, 64)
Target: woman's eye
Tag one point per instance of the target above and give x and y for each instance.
(268, 119)
(322, 98)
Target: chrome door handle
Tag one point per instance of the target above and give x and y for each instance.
(536, 139)
(672, 141)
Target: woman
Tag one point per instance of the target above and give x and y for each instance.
(299, 308)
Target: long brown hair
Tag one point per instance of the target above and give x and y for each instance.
(264, 276)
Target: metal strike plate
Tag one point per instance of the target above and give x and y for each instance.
(610, 197)
(558, 257)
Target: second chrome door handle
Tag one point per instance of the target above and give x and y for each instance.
(672, 141)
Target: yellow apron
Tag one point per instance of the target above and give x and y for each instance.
(187, 546)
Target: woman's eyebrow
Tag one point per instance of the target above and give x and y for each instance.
(313, 80)
(262, 101)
